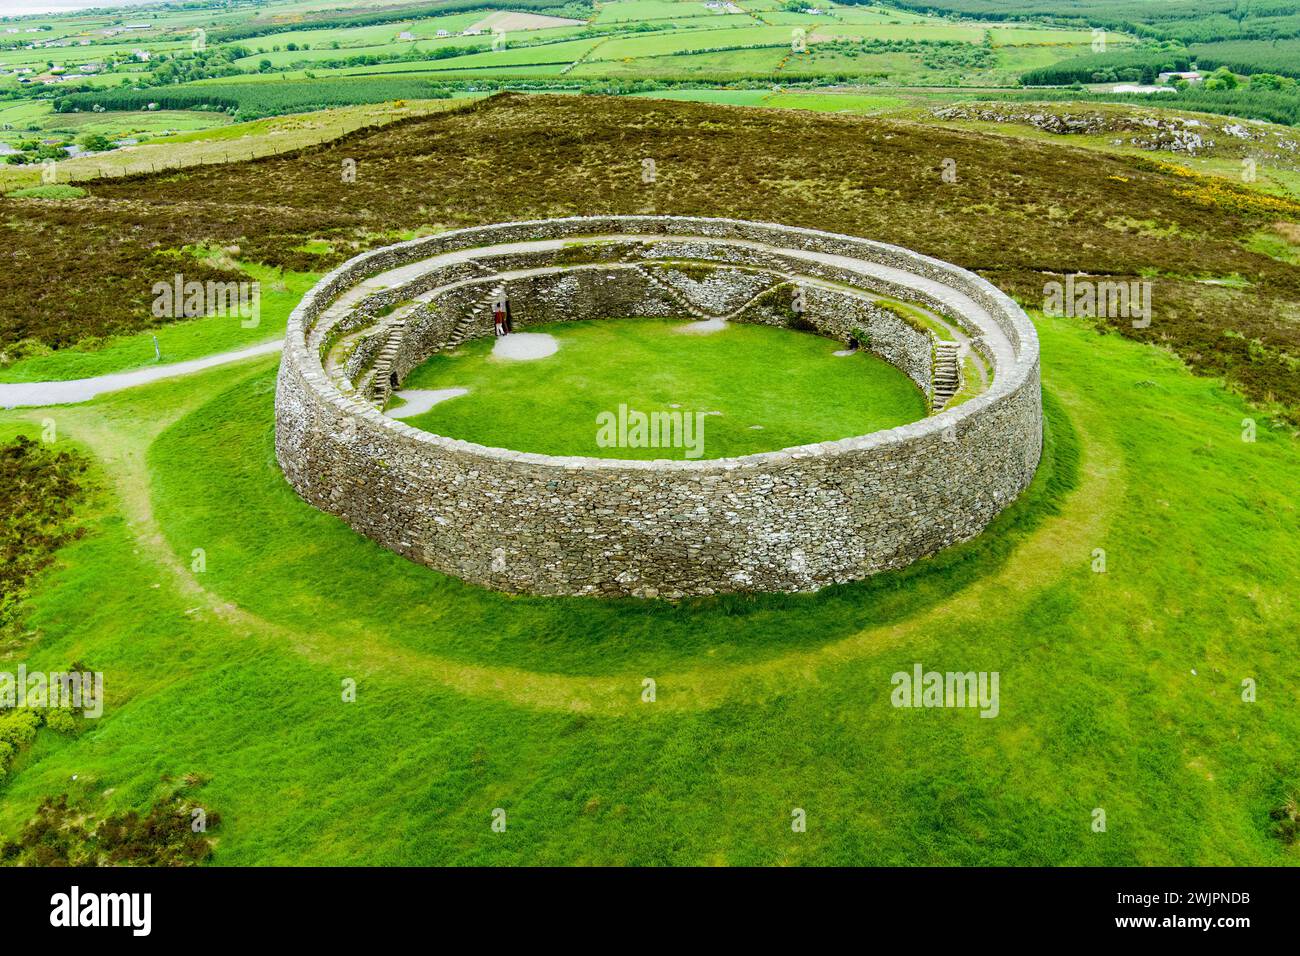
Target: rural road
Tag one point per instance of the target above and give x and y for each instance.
(34, 394)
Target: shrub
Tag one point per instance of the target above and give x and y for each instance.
(1286, 825)
(65, 835)
(94, 142)
(41, 488)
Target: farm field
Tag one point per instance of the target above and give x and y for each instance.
(819, 102)
(623, 39)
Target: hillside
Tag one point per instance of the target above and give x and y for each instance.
(1225, 293)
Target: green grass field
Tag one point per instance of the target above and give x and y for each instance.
(788, 384)
(1119, 690)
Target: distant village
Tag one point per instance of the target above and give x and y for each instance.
(62, 74)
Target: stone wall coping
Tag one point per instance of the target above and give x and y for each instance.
(1007, 380)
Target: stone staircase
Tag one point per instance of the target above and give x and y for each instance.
(482, 269)
(678, 297)
(381, 384)
(667, 288)
(946, 374)
(459, 333)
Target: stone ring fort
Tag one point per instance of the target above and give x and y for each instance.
(796, 519)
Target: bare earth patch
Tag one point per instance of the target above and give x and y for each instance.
(420, 400)
(525, 346)
(702, 327)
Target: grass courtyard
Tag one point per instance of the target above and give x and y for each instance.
(761, 389)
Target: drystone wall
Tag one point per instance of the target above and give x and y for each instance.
(790, 520)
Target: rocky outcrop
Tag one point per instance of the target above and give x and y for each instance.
(1143, 129)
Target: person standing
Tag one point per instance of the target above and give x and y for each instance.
(500, 313)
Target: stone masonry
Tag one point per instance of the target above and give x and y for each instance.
(797, 519)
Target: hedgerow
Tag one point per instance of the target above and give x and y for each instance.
(1127, 65)
(255, 100)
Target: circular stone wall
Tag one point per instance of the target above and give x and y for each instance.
(790, 520)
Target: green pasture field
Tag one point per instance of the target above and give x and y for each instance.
(633, 11)
(35, 118)
(863, 14)
(834, 102)
(383, 40)
(295, 57)
(740, 63)
(563, 52)
(518, 70)
(822, 102)
(722, 97)
(70, 56)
